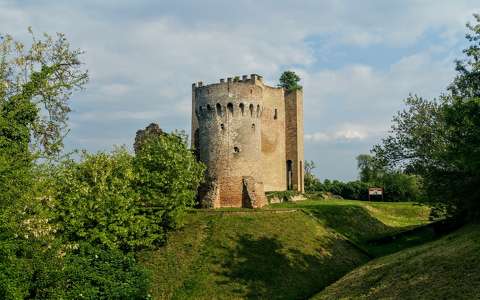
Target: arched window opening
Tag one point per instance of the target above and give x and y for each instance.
(230, 108)
(219, 110)
(300, 185)
(251, 110)
(258, 111)
(289, 175)
(209, 108)
(196, 143)
(242, 108)
(275, 114)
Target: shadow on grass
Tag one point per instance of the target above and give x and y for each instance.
(406, 239)
(367, 232)
(261, 267)
(354, 222)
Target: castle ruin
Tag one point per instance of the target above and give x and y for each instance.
(250, 136)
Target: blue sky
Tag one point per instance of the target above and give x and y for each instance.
(358, 60)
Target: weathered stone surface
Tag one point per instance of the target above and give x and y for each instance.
(244, 128)
(253, 194)
(209, 194)
(151, 130)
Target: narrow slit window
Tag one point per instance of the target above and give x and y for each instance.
(275, 114)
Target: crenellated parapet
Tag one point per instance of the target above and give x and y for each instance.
(252, 79)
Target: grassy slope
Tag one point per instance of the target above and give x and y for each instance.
(253, 255)
(262, 254)
(362, 221)
(448, 268)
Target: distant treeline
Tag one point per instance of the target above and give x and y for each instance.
(397, 185)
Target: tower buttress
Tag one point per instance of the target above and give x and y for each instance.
(294, 140)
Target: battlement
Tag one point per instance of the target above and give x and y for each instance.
(252, 79)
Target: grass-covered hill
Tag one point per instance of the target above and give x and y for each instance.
(448, 268)
(285, 251)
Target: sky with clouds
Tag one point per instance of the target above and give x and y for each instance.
(358, 60)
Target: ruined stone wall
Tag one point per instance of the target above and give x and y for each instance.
(294, 137)
(273, 140)
(229, 135)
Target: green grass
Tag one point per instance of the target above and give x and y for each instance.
(361, 221)
(448, 268)
(233, 255)
(285, 251)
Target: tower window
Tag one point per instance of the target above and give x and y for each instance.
(236, 149)
(242, 108)
(230, 108)
(219, 110)
(251, 110)
(275, 114)
(222, 126)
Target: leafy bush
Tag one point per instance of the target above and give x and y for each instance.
(168, 176)
(96, 201)
(31, 270)
(120, 201)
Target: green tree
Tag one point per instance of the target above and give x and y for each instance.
(312, 184)
(168, 177)
(290, 81)
(440, 140)
(36, 84)
(367, 167)
(95, 200)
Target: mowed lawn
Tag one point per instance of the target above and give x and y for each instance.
(284, 251)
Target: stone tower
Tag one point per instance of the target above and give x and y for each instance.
(250, 136)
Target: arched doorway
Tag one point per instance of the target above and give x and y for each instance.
(289, 175)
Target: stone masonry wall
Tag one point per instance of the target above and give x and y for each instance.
(273, 140)
(294, 137)
(228, 115)
(245, 131)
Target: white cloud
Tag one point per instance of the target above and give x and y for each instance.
(115, 89)
(144, 55)
(344, 133)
